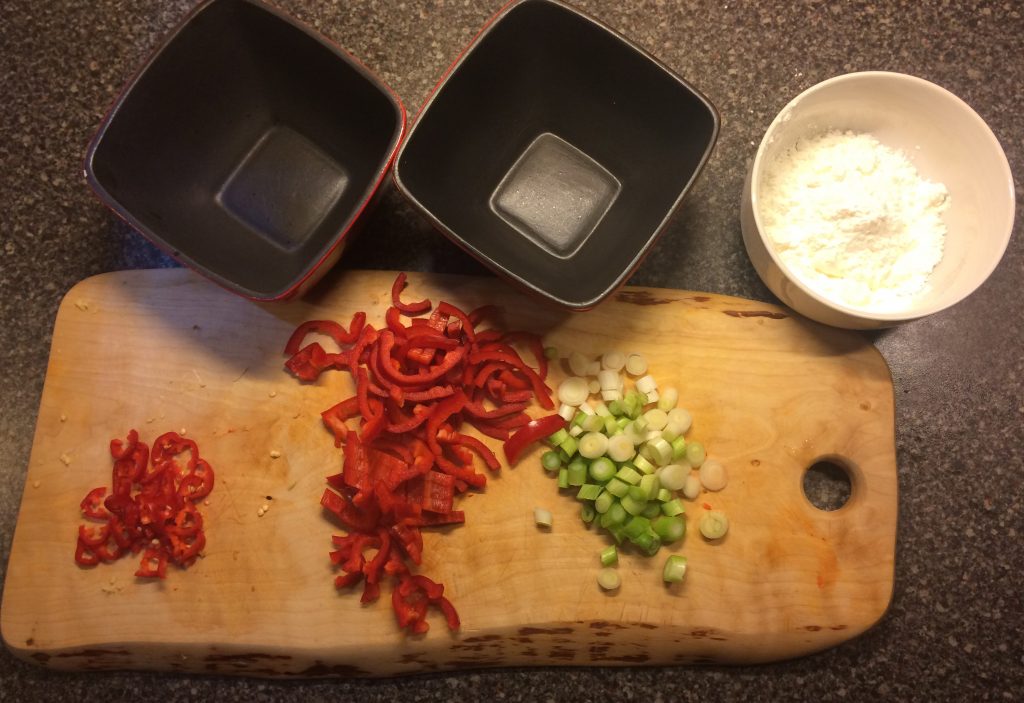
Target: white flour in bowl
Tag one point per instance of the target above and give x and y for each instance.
(854, 220)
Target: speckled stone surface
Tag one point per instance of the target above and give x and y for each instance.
(954, 629)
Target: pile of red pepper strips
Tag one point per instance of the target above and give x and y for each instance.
(160, 518)
(416, 385)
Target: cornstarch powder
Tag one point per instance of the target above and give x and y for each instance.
(854, 220)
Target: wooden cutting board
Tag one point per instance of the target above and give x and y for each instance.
(162, 350)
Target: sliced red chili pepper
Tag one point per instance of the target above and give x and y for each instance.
(538, 429)
(442, 411)
(122, 450)
(85, 555)
(541, 391)
(408, 308)
(394, 322)
(153, 564)
(344, 580)
(310, 361)
(92, 505)
(450, 615)
(93, 535)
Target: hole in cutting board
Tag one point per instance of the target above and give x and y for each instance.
(827, 484)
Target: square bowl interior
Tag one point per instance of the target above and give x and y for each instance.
(246, 147)
(555, 151)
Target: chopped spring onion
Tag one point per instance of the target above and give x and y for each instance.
(593, 423)
(673, 476)
(652, 510)
(657, 451)
(633, 506)
(714, 524)
(629, 475)
(668, 400)
(611, 394)
(604, 502)
(681, 418)
(621, 448)
(593, 386)
(563, 478)
(673, 507)
(567, 412)
(575, 431)
(569, 445)
(669, 528)
(579, 364)
(613, 360)
(678, 449)
(602, 409)
(550, 461)
(609, 556)
(589, 491)
(615, 408)
(636, 365)
(542, 517)
(577, 473)
(609, 380)
(712, 475)
(646, 384)
(691, 489)
(587, 513)
(617, 487)
(573, 391)
(616, 515)
(650, 485)
(586, 408)
(602, 469)
(644, 465)
(664, 495)
(608, 579)
(636, 527)
(558, 437)
(593, 445)
(652, 396)
(695, 453)
(656, 419)
(675, 569)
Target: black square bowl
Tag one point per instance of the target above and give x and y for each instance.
(555, 151)
(248, 146)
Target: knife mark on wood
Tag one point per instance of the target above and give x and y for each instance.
(545, 631)
(248, 657)
(756, 313)
(641, 297)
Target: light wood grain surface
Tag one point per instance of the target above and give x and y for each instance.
(165, 350)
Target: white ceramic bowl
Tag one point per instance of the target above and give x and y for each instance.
(945, 140)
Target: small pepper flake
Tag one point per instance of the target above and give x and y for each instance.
(65, 459)
(707, 506)
(274, 454)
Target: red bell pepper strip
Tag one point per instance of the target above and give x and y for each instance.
(479, 447)
(325, 327)
(452, 311)
(408, 308)
(538, 429)
(334, 418)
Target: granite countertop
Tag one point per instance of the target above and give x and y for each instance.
(954, 627)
